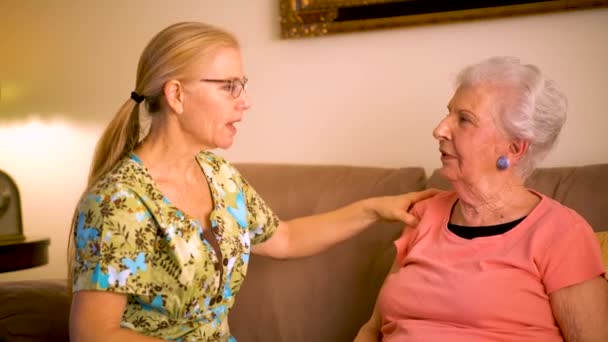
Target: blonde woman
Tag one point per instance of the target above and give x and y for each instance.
(163, 233)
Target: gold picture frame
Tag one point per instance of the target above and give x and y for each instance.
(310, 18)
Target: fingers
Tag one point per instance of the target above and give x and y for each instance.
(420, 195)
(385, 207)
(414, 197)
(409, 219)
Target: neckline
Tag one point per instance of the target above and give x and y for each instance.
(133, 157)
(525, 222)
(473, 232)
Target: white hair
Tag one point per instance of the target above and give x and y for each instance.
(534, 109)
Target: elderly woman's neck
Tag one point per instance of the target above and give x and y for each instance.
(485, 204)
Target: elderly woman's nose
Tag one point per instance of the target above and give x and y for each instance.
(442, 130)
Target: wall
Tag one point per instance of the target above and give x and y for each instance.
(366, 98)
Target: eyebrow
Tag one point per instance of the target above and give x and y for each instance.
(228, 78)
(465, 111)
(220, 79)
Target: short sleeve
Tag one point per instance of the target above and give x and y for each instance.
(262, 220)
(572, 256)
(405, 242)
(114, 238)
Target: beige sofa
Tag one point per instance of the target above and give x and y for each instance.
(322, 298)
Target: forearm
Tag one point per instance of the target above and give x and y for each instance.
(112, 335)
(312, 234)
(96, 315)
(367, 334)
(370, 331)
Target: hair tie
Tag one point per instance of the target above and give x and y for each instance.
(137, 98)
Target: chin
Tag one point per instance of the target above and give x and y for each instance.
(224, 145)
(448, 173)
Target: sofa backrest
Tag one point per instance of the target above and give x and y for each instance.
(582, 188)
(326, 297)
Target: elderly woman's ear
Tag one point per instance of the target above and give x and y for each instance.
(518, 148)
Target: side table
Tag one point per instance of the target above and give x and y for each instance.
(19, 255)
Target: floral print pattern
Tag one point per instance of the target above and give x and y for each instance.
(130, 239)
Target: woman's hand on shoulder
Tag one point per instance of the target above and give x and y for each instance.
(396, 208)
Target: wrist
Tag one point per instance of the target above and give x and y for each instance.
(370, 210)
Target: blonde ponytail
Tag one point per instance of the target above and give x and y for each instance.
(118, 139)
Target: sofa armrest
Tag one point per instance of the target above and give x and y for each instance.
(34, 311)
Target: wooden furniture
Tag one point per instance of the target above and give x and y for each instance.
(16, 251)
(18, 255)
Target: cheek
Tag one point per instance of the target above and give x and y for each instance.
(477, 142)
(209, 113)
(476, 154)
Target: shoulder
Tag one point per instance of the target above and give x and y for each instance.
(438, 203)
(556, 216)
(126, 174)
(431, 211)
(124, 187)
(557, 230)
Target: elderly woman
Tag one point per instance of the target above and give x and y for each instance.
(493, 260)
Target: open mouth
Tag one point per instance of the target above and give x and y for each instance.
(445, 155)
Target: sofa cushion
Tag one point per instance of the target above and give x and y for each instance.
(603, 239)
(34, 311)
(570, 186)
(297, 190)
(326, 297)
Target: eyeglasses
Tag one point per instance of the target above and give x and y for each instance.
(235, 85)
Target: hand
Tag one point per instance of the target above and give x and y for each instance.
(395, 208)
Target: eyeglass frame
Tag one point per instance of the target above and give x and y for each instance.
(232, 82)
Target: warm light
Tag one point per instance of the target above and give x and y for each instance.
(26, 138)
(10, 92)
(37, 142)
(49, 161)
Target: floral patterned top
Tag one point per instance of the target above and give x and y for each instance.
(130, 239)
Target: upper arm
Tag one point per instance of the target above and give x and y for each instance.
(581, 310)
(262, 222)
(277, 245)
(95, 313)
(114, 243)
(402, 245)
(370, 331)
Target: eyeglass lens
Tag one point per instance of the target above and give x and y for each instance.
(237, 86)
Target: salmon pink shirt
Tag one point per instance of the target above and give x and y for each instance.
(493, 288)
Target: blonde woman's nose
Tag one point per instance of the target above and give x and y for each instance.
(244, 101)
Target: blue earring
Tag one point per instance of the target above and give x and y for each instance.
(502, 163)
